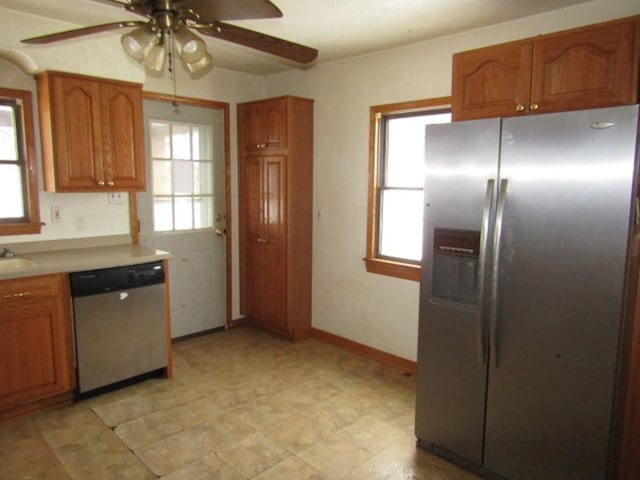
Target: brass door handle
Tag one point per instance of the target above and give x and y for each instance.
(519, 108)
(221, 232)
(534, 106)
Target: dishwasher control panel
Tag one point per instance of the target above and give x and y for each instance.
(127, 277)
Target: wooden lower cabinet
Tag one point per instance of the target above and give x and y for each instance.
(275, 179)
(36, 355)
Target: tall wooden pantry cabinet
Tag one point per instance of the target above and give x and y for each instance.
(275, 163)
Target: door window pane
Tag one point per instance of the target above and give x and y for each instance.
(183, 213)
(160, 140)
(161, 177)
(162, 214)
(183, 182)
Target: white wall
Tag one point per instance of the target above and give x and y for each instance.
(376, 310)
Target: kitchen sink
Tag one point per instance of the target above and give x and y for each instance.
(15, 264)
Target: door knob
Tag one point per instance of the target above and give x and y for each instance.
(519, 108)
(534, 106)
(221, 232)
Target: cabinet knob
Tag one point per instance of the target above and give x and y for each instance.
(110, 183)
(101, 183)
(534, 106)
(519, 108)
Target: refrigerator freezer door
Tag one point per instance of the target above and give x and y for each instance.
(461, 158)
(560, 288)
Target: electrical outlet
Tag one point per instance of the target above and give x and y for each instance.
(115, 197)
(56, 215)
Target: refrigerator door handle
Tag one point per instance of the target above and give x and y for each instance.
(482, 263)
(497, 237)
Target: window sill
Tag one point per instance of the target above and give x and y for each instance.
(393, 269)
(20, 228)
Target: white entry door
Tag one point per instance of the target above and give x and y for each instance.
(183, 210)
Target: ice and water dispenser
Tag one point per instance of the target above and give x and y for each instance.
(455, 266)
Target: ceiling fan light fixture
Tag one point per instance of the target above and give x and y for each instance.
(155, 58)
(139, 42)
(204, 62)
(191, 47)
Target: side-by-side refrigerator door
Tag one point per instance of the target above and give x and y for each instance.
(460, 190)
(562, 258)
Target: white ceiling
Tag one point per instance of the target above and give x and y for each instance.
(339, 29)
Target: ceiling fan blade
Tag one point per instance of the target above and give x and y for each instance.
(259, 41)
(141, 7)
(78, 32)
(212, 10)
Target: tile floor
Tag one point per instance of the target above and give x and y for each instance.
(243, 404)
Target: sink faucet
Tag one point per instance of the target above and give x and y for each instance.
(6, 253)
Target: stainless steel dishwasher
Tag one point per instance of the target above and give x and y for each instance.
(119, 318)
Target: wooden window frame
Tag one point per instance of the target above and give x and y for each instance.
(373, 263)
(31, 224)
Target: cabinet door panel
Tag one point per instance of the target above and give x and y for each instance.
(587, 69)
(77, 125)
(122, 142)
(491, 82)
(274, 124)
(274, 198)
(253, 197)
(34, 353)
(250, 116)
(274, 313)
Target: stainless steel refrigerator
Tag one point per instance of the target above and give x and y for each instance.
(527, 227)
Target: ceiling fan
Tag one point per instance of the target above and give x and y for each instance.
(169, 24)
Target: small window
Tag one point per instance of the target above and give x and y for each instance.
(182, 166)
(19, 210)
(396, 178)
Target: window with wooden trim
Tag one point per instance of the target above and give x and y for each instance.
(19, 209)
(396, 178)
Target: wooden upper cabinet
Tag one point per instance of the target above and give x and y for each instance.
(264, 126)
(92, 134)
(589, 67)
(491, 81)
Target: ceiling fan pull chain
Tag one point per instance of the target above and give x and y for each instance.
(172, 71)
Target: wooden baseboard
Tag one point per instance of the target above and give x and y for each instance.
(365, 350)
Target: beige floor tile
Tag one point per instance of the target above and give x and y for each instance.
(253, 455)
(224, 431)
(173, 453)
(209, 468)
(34, 471)
(148, 429)
(198, 412)
(125, 409)
(335, 456)
(292, 468)
(295, 432)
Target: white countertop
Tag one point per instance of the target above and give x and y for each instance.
(80, 259)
